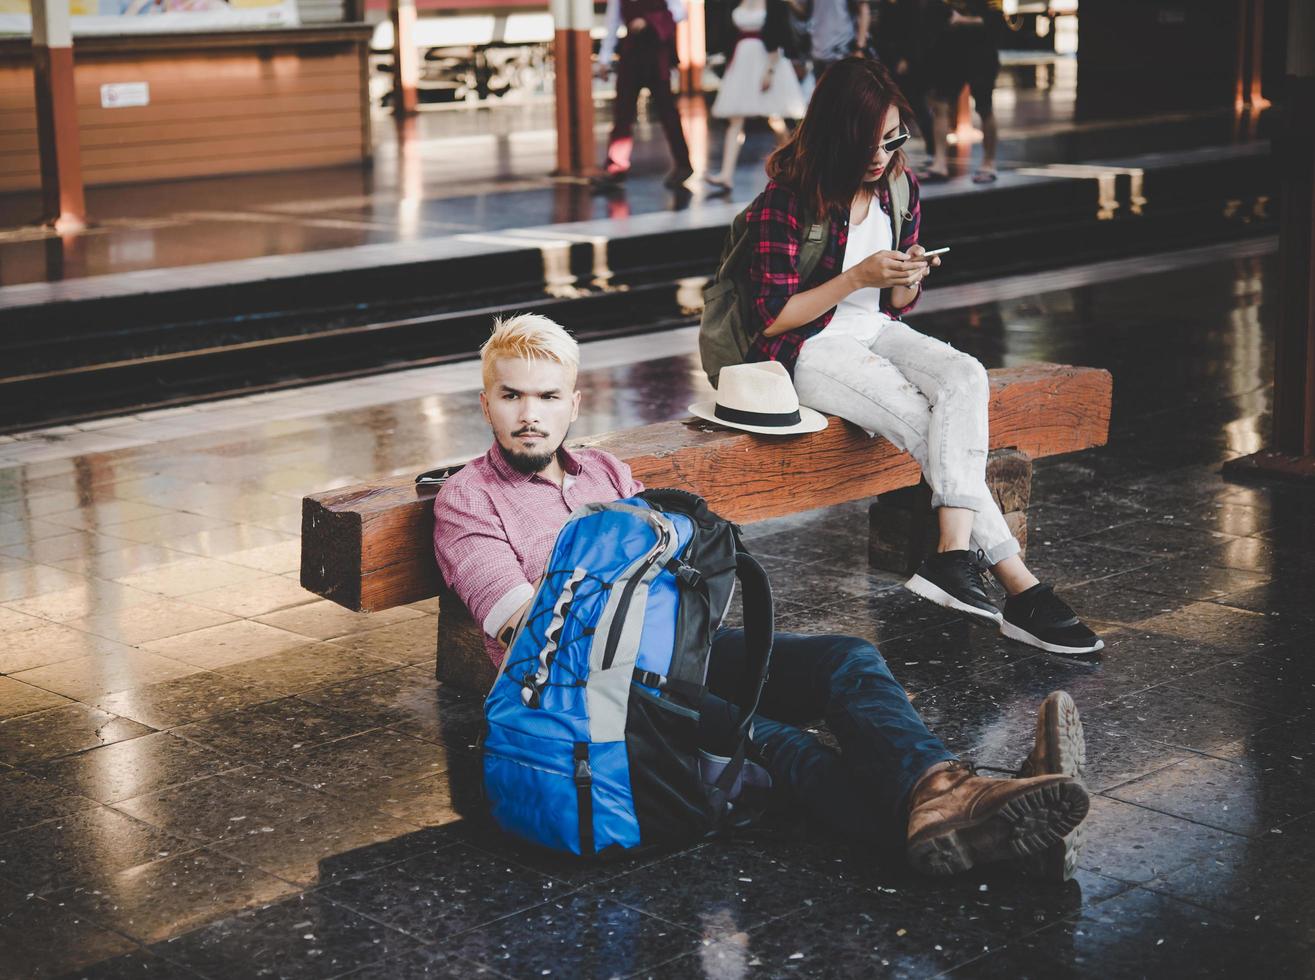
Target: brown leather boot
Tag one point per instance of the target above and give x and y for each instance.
(1060, 748)
(958, 820)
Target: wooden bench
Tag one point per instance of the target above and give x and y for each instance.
(369, 547)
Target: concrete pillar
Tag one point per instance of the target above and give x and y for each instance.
(573, 86)
(1292, 453)
(1250, 54)
(692, 47)
(406, 60)
(63, 202)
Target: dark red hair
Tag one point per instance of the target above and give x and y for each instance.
(827, 156)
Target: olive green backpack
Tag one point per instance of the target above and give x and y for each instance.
(729, 325)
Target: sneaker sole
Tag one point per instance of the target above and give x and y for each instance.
(1023, 636)
(1060, 734)
(1026, 825)
(932, 592)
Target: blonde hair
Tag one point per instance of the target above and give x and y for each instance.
(529, 336)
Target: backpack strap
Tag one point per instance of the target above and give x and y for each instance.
(811, 247)
(899, 206)
(759, 633)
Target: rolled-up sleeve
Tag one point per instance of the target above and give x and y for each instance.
(775, 228)
(908, 237)
(475, 556)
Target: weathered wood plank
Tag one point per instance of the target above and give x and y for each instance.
(369, 547)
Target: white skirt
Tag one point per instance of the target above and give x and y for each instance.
(742, 94)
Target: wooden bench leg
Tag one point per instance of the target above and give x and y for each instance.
(902, 528)
(462, 661)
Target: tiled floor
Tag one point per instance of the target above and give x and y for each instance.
(206, 770)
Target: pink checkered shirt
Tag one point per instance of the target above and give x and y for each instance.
(494, 527)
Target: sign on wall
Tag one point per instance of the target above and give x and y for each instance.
(156, 16)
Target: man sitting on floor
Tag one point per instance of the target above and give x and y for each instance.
(495, 524)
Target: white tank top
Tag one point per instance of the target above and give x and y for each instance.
(873, 235)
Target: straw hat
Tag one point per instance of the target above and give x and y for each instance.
(759, 397)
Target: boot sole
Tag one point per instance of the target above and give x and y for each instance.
(1064, 746)
(1026, 825)
(1023, 636)
(932, 592)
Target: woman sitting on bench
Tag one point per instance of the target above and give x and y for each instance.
(840, 336)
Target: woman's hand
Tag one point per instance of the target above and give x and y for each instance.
(888, 269)
(916, 252)
(767, 78)
(636, 25)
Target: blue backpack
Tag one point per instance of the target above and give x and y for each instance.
(591, 744)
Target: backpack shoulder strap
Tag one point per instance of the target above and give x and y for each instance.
(759, 631)
(736, 248)
(899, 206)
(812, 247)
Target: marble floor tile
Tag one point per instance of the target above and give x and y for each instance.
(55, 732)
(227, 644)
(82, 598)
(68, 848)
(111, 773)
(18, 698)
(299, 936)
(153, 619)
(443, 894)
(51, 643)
(176, 894)
(305, 668)
(1229, 795)
(1134, 844)
(105, 673)
(276, 732)
(255, 598)
(413, 641)
(106, 514)
(579, 935)
(184, 700)
(41, 939)
(325, 620)
(189, 575)
(26, 799)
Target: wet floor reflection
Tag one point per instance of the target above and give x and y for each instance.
(203, 767)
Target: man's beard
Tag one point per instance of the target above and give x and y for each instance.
(528, 463)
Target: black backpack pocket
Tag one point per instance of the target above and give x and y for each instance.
(662, 742)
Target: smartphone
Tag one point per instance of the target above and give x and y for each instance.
(939, 251)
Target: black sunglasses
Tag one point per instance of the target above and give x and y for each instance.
(895, 142)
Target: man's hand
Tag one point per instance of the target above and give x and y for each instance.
(636, 25)
(886, 270)
(603, 71)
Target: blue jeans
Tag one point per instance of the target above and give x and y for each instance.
(861, 791)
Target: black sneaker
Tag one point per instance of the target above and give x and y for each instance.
(1042, 619)
(955, 580)
(1060, 750)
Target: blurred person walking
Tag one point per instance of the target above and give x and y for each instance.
(900, 42)
(645, 57)
(964, 52)
(838, 28)
(760, 81)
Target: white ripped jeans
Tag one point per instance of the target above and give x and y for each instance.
(922, 395)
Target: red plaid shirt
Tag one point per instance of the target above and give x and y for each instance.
(776, 221)
(494, 527)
